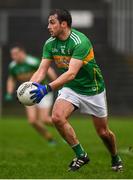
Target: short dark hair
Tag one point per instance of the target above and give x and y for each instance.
(17, 45)
(62, 15)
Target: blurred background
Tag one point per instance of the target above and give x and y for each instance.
(107, 23)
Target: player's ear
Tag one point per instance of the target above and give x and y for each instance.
(64, 24)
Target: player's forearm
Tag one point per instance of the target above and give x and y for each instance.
(38, 76)
(10, 86)
(61, 80)
(52, 74)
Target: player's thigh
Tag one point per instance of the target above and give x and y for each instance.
(100, 123)
(31, 113)
(44, 113)
(62, 109)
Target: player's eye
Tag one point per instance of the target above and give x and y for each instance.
(52, 22)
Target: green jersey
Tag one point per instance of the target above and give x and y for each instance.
(89, 80)
(23, 71)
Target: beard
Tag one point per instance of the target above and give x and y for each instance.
(56, 34)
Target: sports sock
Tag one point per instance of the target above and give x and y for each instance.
(116, 158)
(78, 149)
(52, 142)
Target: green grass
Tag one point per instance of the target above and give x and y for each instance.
(24, 154)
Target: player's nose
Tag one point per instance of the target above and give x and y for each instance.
(48, 26)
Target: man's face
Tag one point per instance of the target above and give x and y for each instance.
(17, 55)
(54, 26)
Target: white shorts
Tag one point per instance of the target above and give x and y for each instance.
(94, 105)
(47, 101)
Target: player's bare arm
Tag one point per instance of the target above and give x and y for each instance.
(52, 74)
(10, 86)
(11, 83)
(42, 90)
(40, 74)
(74, 67)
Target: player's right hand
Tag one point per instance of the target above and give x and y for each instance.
(40, 92)
(8, 97)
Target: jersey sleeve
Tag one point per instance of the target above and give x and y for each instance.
(11, 71)
(36, 63)
(47, 53)
(82, 50)
(32, 61)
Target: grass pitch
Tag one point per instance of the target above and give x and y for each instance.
(25, 154)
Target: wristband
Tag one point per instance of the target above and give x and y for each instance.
(49, 89)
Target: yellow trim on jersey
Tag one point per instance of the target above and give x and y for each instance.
(89, 57)
(62, 61)
(24, 76)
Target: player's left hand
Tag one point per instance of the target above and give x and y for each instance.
(8, 97)
(40, 92)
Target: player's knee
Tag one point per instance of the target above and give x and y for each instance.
(47, 120)
(32, 120)
(57, 118)
(103, 133)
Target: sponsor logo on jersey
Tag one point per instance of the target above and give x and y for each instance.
(54, 50)
(63, 49)
(94, 89)
(69, 51)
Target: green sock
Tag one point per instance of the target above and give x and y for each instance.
(116, 158)
(78, 149)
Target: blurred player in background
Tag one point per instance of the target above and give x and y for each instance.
(21, 69)
(83, 86)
